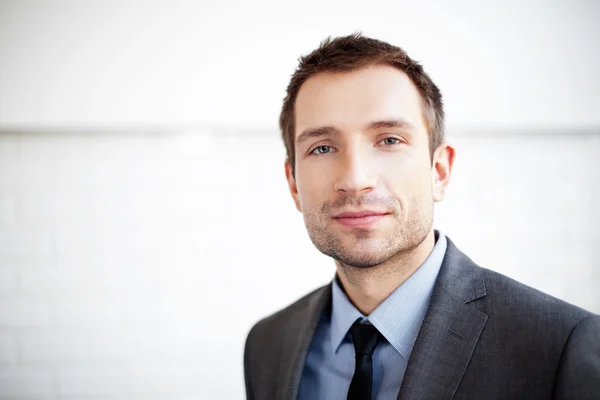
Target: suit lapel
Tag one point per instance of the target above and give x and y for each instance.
(449, 333)
(297, 338)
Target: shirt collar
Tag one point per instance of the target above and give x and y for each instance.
(399, 317)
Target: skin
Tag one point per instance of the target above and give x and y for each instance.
(355, 166)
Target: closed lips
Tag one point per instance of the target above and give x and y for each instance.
(359, 214)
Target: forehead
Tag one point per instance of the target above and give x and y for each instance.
(349, 100)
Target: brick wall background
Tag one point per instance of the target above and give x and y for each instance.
(129, 258)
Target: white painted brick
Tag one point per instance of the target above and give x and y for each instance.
(108, 273)
(52, 349)
(27, 383)
(23, 313)
(53, 207)
(9, 281)
(89, 313)
(165, 380)
(84, 280)
(23, 247)
(94, 346)
(88, 279)
(10, 147)
(32, 173)
(195, 380)
(8, 206)
(130, 347)
(8, 350)
(45, 280)
(91, 381)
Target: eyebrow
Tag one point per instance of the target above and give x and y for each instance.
(312, 133)
(390, 123)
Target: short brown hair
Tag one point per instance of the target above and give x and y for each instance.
(350, 53)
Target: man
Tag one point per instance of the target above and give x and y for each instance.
(408, 316)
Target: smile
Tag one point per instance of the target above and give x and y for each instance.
(360, 222)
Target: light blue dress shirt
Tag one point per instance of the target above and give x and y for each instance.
(330, 362)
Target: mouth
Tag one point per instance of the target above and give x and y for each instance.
(361, 219)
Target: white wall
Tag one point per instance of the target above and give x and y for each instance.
(114, 63)
(127, 260)
(142, 193)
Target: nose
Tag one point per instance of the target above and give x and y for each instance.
(356, 172)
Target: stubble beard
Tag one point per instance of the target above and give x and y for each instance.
(362, 248)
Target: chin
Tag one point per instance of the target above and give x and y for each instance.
(362, 262)
(362, 259)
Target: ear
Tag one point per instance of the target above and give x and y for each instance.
(292, 184)
(441, 170)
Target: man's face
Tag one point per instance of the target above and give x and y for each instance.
(368, 151)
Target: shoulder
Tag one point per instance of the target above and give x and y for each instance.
(272, 325)
(507, 293)
(501, 297)
(266, 341)
(527, 318)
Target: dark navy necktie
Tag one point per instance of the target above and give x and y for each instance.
(365, 338)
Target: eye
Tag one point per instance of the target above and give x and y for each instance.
(391, 140)
(321, 150)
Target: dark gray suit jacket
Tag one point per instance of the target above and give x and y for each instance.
(485, 336)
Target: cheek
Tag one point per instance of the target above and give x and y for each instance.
(408, 177)
(311, 187)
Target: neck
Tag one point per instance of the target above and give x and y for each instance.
(367, 288)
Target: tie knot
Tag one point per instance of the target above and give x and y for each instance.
(365, 338)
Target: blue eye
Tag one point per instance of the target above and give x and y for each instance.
(320, 147)
(393, 138)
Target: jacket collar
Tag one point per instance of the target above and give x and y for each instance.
(443, 346)
(449, 332)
